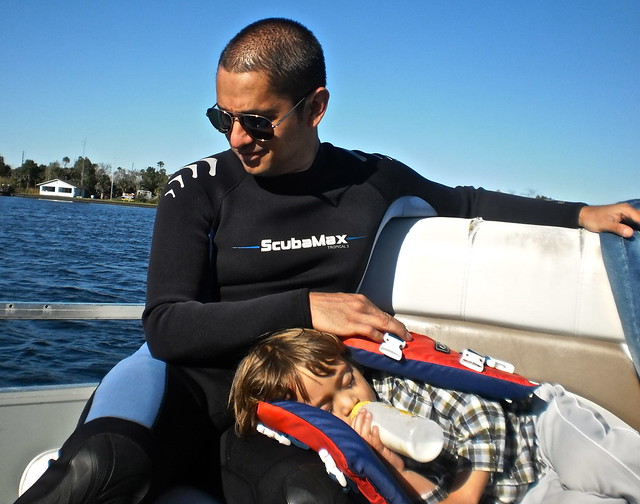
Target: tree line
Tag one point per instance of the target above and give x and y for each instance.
(99, 180)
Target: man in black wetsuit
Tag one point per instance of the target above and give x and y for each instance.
(273, 233)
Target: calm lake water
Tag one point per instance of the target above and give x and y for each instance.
(53, 251)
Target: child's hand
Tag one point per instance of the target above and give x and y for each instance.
(414, 482)
(361, 423)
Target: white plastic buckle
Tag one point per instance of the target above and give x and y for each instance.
(332, 468)
(472, 360)
(280, 438)
(392, 346)
(500, 365)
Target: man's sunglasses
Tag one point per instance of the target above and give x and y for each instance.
(256, 126)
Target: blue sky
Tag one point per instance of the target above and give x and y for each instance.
(522, 96)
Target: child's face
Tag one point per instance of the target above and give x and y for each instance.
(337, 394)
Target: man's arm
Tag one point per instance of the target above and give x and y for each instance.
(470, 202)
(184, 321)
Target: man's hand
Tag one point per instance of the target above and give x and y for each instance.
(620, 219)
(352, 315)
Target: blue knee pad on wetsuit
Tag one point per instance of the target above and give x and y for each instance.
(133, 390)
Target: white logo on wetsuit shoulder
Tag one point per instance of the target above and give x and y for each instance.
(330, 241)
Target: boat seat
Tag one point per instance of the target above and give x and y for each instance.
(535, 296)
(35, 468)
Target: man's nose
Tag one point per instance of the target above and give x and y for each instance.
(237, 136)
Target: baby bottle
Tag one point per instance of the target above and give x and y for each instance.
(418, 438)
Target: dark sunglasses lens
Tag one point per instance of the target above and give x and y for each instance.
(220, 120)
(258, 127)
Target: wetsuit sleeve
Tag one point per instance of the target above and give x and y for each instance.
(470, 202)
(181, 324)
(491, 205)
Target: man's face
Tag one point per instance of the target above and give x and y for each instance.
(293, 146)
(338, 393)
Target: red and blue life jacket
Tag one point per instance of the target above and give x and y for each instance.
(422, 359)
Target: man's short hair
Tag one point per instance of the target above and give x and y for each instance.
(285, 50)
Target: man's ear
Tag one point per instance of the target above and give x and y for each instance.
(317, 105)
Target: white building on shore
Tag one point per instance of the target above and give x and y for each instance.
(57, 187)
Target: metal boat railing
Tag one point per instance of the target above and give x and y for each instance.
(62, 311)
(70, 311)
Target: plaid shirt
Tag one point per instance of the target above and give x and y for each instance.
(480, 434)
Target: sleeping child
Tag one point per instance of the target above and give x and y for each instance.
(551, 447)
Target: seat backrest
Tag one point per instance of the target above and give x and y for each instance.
(539, 278)
(536, 296)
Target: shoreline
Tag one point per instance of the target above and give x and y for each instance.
(86, 200)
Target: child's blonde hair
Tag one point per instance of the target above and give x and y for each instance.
(270, 371)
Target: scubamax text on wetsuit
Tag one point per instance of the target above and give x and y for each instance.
(268, 245)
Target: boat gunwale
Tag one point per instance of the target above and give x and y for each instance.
(10, 310)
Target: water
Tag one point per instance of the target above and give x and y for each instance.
(52, 251)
